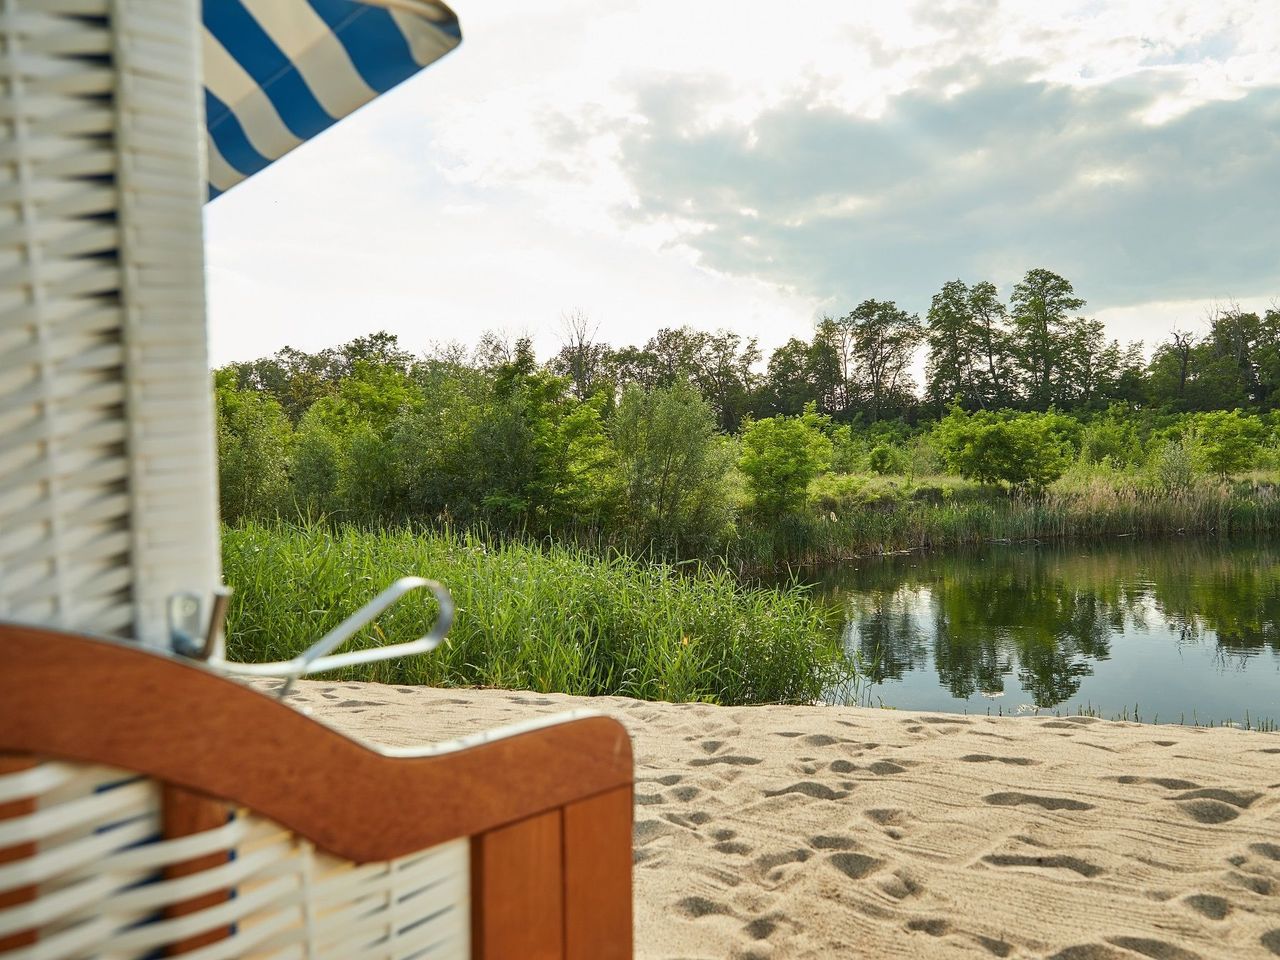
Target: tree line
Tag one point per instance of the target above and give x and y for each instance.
(679, 441)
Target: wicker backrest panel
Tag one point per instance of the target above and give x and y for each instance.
(97, 881)
(107, 478)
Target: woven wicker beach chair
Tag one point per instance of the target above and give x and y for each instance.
(149, 803)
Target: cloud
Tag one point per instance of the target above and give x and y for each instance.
(748, 165)
(977, 173)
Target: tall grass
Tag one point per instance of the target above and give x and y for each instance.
(1088, 504)
(545, 618)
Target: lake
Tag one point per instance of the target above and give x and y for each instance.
(1180, 631)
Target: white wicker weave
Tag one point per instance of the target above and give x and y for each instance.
(99, 863)
(105, 408)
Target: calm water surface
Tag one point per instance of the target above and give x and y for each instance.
(1185, 631)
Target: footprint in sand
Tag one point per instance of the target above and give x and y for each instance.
(695, 908)
(770, 866)
(685, 794)
(1268, 850)
(1213, 805)
(900, 885)
(732, 847)
(1271, 940)
(731, 759)
(886, 817)
(933, 926)
(1169, 783)
(1053, 862)
(1207, 905)
(997, 948)
(822, 842)
(532, 701)
(886, 768)
(760, 928)
(855, 866)
(646, 831)
(1012, 799)
(648, 799)
(1259, 885)
(819, 791)
(842, 766)
(823, 740)
(711, 746)
(691, 820)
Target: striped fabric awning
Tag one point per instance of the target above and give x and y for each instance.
(277, 72)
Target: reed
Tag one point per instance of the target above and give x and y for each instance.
(534, 616)
(1082, 506)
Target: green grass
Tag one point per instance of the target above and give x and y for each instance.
(854, 516)
(536, 617)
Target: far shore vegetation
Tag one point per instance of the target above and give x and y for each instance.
(1030, 424)
(594, 512)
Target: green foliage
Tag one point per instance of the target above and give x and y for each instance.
(884, 459)
(530, 618)
(1174, 467)
(1026, 451)
(780, 456)
(1112, 439)
(1227, 442)
(672, 470)
(254, 436)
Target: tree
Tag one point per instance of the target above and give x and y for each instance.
(1042, 304)
(884, 342)
(581, 358)
(968, 347)
(780, 457)
(672, 469)
(1227, 442)
(1027, 451)
(253, 443)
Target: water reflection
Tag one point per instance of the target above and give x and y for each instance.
(1043, 625)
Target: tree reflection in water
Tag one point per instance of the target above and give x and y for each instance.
(1050, 614)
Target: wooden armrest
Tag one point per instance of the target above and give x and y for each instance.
(95, 700)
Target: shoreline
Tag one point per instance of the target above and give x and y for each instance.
(822, 831)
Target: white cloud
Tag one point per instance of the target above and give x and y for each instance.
(494, 189)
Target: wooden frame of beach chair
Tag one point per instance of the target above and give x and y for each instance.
(120, 765)
(147, 803)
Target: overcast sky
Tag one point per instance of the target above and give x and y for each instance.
(754, 165)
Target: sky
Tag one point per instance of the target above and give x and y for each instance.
(752, 166)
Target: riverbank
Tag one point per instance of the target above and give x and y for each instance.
(884, 515)
(795, 832)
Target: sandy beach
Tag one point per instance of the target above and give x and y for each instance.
(769, 832)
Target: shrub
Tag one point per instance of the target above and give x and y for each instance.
(672, 469)
(1026, 451)
(883, 459)
(1227, 442)
(780, 457)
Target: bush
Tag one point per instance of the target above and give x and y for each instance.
(780, 457)
(883, 459)
(1227, 442)
(1174, 467)
(254, 436)
(1026, 451)
(672, 469)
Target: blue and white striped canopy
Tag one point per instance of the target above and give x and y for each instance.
(277, 72)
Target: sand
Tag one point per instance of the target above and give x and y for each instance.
(845, 832)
